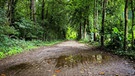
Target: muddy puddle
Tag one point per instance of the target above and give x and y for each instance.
(81, 58)
(82, 63)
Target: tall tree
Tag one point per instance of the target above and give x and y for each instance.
(103, 22)
(126, 24)
(11, 11)
(84, 30)
(95, 19)
(32, 10)
(132, 8)
(43, 17)
(43, 10)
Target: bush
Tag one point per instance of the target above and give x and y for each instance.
(28, 29)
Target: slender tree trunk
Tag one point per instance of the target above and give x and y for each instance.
(43, 10)
(95, 20)
(9, 12)
(97, 25)
(81, 28)
(12, 13)
(103, 22)
(43, 17)
(84, 31)
(64, 34)
(79, 31)
(126, 25)
(132, 29)
(11, 8)
(32, 10)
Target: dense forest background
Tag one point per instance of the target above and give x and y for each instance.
(25, 24)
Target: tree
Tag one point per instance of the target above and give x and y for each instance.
(11, 11)
(103, 22)
(43, 17)
(32, 10)
(132, 28)
(126, 25)
(95, 19)
(80, 16)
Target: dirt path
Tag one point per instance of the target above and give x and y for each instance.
(68, 58)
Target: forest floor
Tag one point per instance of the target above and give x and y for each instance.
(68, 58)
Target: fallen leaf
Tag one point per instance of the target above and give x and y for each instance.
(2, 75)
(57, 71)
(102, 73)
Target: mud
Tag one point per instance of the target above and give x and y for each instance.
(68, 58)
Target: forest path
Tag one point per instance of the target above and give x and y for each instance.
(68, 58)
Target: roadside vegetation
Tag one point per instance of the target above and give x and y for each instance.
(14, 46)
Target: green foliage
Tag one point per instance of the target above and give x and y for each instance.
(14, 50)
(116, 39)
(5, 29)
(71, 34)
(2, 55)
(3, 18)
(28, 29)
(14, 46)
(115, 30)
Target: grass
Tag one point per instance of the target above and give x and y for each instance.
(13, 46)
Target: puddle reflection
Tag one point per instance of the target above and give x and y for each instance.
(74, 60)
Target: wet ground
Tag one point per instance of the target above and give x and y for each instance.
(68, 58)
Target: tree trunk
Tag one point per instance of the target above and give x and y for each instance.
(12, 13)
(95, 20)
(103, 22)
(43, 17)
(126, 25)
(132, 29)
(43, 10)
(32, 10)
(64, 34)
(81, 29)
(11, 8)
(84, 30)
(79, 32)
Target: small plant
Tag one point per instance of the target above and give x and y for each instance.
(2, 55)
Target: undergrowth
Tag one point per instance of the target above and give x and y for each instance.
(10, 47)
